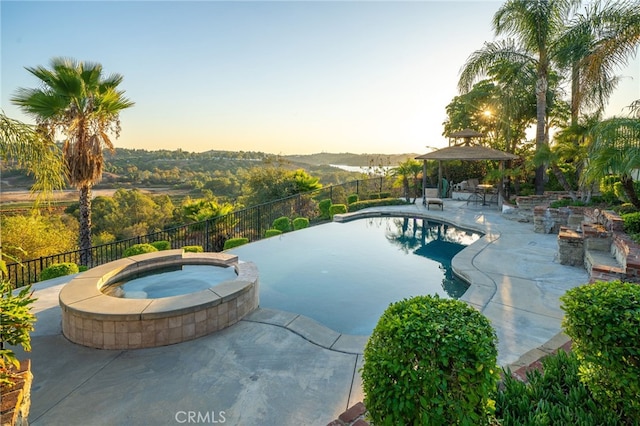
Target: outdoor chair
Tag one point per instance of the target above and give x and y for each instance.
(431, 197)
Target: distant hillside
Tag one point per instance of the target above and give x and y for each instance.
(349, 159)
(213, 169)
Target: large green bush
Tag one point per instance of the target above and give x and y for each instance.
(162, 245)
(235, 242)
(282, 223)
(352, 198)
(430, 361)
(324, 206)
(555, 396)
(139, 249)
(56, 270)
(337, 209)
(631, 222)
(603, 319)
(300, 223)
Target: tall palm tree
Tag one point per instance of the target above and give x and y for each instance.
(84, 106)
(534, 26)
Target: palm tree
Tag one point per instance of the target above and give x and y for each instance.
(616, 150)
(408, 171)
(31, 148)
(84, 106)
(535, 25)
(595, 44)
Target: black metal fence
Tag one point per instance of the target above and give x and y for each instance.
(211, 234)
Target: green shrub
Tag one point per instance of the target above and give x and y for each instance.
(139, 249)
(631, 222)
(359, 205)
(337, 209)
(324, 206)
(272, 233)
(384, 195)
(282, 223)
(374, 196)
(625, 208)
(603, 319)
(235, 242)
(352, 198)
(83, 268)
(607, 188)
(555, 396)
(56, 270)
(300, 223)
(16, 326)
(162, 245)
(193, 249)
(430, 361)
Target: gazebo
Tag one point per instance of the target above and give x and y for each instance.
(465, 151)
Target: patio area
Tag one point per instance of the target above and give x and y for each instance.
(282, 368)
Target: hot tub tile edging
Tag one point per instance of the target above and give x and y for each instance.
(94, 319)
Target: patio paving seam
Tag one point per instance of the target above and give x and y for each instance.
(72, 391)
(330, 348)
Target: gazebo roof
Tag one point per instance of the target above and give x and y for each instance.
(467, 152)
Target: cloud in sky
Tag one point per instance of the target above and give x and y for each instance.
(288, 77)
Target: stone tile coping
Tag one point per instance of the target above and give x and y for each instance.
(310, 330)
(83, 297)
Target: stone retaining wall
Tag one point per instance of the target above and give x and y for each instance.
(15, 401)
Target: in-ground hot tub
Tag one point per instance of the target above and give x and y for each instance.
(95, 319)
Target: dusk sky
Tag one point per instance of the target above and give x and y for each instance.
(286, 77)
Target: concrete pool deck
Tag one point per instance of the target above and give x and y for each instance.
(280, 368)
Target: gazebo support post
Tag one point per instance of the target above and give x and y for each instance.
(424, 179)
(440, 179)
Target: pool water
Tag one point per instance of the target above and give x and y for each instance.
(173, 281)
(344, 275)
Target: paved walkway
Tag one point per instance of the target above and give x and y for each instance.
(279, 368)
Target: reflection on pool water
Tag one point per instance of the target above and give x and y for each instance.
(344, 275)
(172, 281)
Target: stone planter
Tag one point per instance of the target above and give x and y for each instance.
(16, 400)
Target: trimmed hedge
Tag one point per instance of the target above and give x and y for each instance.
(162, 245)
(300, 223)
(430, 361)
(352, 198)
(282, 223)
(603, 319)
(56, 270)
(139, 249)
(235, 242)
(337, 209)
(193, 249)
(631, 222)
(272, 233)
(324, 206)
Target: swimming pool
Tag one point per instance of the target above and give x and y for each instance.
(344, 275)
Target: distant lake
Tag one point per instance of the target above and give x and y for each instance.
(359, 169)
